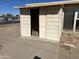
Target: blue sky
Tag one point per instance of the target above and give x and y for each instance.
(6, 6)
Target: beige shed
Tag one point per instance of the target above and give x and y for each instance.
(46, 20)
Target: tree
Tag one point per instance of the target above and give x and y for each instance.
(17, 16)
(7, 16)
(10, 16)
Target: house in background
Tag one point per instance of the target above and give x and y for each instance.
(9, 18)
(1, 19)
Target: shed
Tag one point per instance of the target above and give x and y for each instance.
(46, 20)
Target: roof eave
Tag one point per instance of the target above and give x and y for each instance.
(33, 5)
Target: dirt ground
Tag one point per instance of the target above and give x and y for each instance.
(12, 46)
(9, 35)
(69, 45)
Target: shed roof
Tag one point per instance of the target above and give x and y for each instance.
(47, 4)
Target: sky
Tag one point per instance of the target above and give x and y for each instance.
(7, 6)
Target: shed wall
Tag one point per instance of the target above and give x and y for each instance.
(42, 22)
(54, 21)
(69, 17)
(50, 21)
(25, 22)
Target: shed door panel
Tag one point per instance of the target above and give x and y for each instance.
(25, 22)
(42, 23)
(53, 20)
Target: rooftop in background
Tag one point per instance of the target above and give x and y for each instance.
(47, 4)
